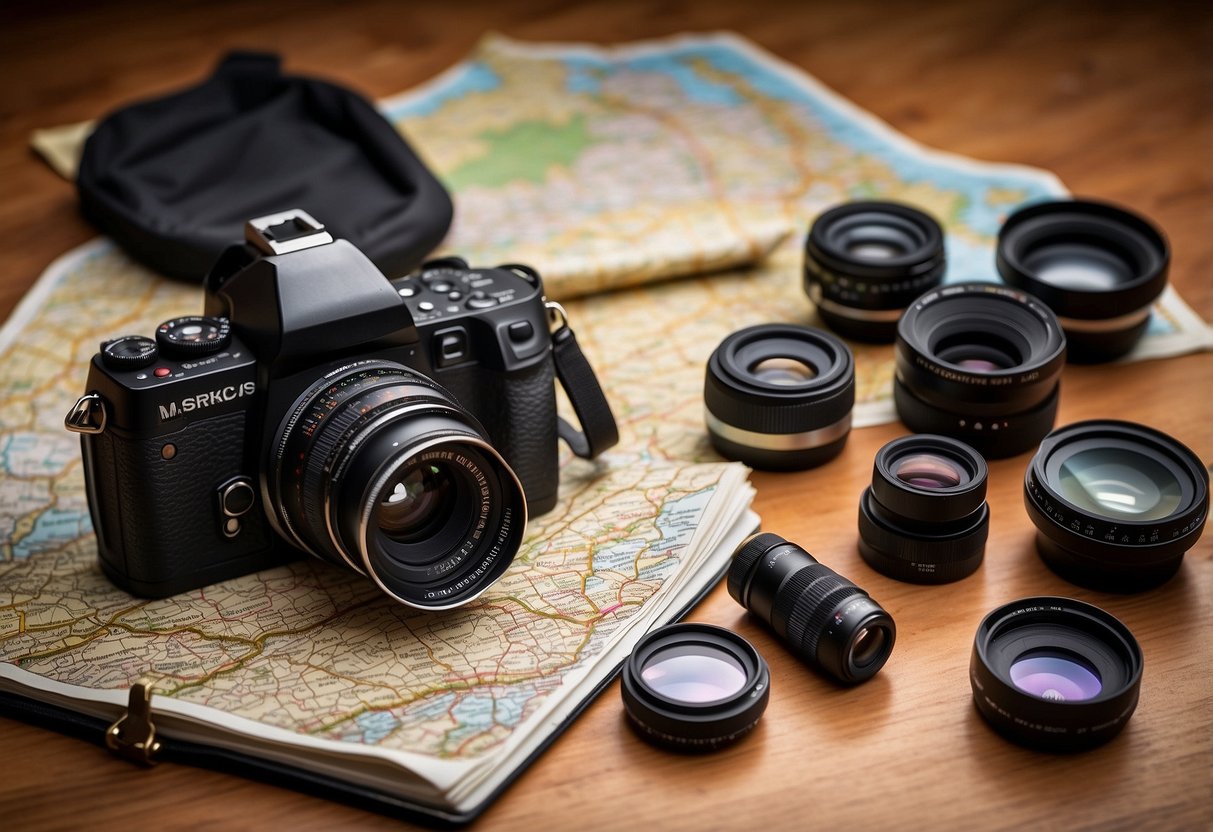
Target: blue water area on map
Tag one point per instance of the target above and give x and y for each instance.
(431, 708)
(618, 556)
(468, 78)
(53, 528)
(478, 711)
(376, 725)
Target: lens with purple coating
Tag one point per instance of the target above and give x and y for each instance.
(928, 471)
(1055, 676)
(980, 365)
(693, 673)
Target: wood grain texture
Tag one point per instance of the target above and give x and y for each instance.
(1113, 97)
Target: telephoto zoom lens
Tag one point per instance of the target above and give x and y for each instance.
(981, 363)
(925, 519)
(1099, 267)
(827, 621)
(1116, 504)
(694, 687)
(1055, 674)
(779, 396)
(865, 262)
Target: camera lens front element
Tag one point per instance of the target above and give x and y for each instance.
(694, 687)
(925, 519)
(981, 363)
(1099, 267)
(377, 468)
(1055, 674)
(865, 262)
(1116, 504)
(421, 498)
(826, 620)
(779, 396)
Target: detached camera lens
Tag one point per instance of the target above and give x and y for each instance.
(779, 396)
(924, 519)
(1116, 504)
(981, 363)
(1098, 267)
(1055, 674)
(378, 469)
(865, 262)
(694, 687)
(826, 620)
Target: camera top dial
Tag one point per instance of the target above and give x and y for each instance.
(193, 335)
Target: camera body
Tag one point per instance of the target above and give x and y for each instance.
(182, 435)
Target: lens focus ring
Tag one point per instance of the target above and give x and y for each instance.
(815, 592)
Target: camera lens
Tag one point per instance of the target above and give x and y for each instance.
(779, 396)
(694, 687)
(826, 620)
(1116, 504)
(981, 363)
(421, 499)
(924, 519)
(865, 262)
(1099, 267)
(1055, 674)
(379, 469)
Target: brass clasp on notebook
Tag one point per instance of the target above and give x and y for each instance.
(133, 736)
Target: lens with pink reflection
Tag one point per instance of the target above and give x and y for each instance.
(1056, 675)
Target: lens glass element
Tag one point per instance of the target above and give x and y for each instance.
(1119, 483)
(421, 499)
(868, 644)
(693, 673)
(783, 371)
(928, 471)
(1056, 676)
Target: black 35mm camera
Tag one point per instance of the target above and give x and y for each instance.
(399, 428)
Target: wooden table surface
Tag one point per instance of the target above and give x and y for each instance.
(1117, 99)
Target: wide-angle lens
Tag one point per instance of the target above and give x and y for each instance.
(779, 396)
(825, 619)
(981, 363)
(864, 262)
(1116, 504)
(1054, 673)
(1098, 266)
(377, 468)
(925, 519)
(694, 687)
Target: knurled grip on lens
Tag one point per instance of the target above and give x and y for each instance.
(815, 605)
(744, 560)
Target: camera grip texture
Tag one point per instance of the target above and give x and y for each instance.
(521, 418)
(159, 524)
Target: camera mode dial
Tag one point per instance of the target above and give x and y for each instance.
(194, 335)
(130, 352)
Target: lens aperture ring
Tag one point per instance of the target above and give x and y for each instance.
(814, 607)
(736, 407)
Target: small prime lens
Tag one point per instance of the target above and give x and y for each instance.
(378, 469)
(1098, 266)
(982, 363)
(1055, 674)
(779, 396)
(826, 620)
(865, 262)
(925, 519)
(1116, 504)
(694, 687)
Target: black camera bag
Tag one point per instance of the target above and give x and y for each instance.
(174, 179)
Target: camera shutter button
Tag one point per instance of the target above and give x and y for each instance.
(479, 300)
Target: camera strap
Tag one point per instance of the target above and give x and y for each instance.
(598, 429)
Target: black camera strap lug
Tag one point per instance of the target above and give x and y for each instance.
(133, 736)
(598, 429)
(87, 415)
